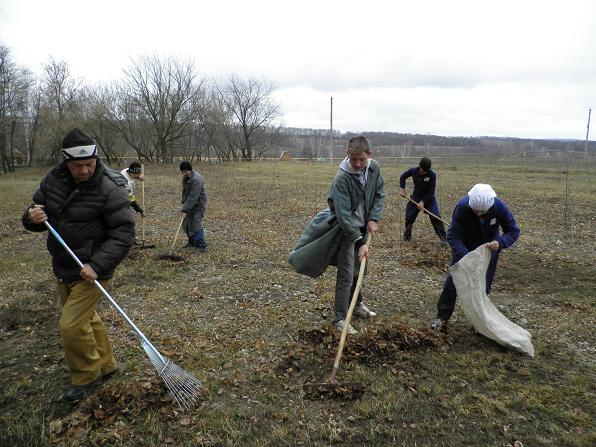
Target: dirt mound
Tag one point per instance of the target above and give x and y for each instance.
(342, 390)
(379, 346)
(385, 345)
(424, 255)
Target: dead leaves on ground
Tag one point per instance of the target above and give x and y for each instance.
(109, 411)
(313, 351)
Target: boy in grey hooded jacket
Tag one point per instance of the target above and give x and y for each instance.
(336, 235)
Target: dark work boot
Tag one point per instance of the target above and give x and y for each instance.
(79, 392)
(407, 234)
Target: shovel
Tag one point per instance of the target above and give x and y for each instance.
(332, 387)
(171, 256)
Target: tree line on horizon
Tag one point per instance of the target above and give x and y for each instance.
(162, 109)
(159, 109)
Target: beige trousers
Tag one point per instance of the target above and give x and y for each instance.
(87, 349)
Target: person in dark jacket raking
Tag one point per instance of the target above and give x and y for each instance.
(476, 220)
(194, 201)
(87, 203)
(425, 181)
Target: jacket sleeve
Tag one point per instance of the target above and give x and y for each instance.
(379, 200)
(39, 198)
(430, 193)
(194, 195)
(120, 232)
(339, 196)
(202, 200)
(403, 177)
(455, 234)
(135, 205)
(510, 229)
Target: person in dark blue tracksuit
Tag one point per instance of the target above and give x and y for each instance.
(476, 220)
(425, 181)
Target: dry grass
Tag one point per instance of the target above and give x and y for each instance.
(247, 325)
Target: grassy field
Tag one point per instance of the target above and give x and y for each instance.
(255, 332)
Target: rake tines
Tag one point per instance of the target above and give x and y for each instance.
(183, 385)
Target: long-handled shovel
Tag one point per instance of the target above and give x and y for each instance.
(184, 386)
(171, 256)
(426, 211)
(332, 386)
(144, 243)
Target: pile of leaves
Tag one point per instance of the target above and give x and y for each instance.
(112, 409)
(383, 345)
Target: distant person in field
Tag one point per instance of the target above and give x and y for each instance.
(87, 203)
(131, 174)
(425, 181)
(194, 201)
(476, 220)
(336, 235)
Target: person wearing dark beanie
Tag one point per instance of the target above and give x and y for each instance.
(88, 204)
(425, 180)
(194, 201)
(131, 174)
(185, 166)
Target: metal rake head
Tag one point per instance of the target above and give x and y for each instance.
(183, 385)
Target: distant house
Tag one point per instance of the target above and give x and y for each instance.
(285, 155)
(20, 159)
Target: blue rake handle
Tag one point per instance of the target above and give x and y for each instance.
(105, 293)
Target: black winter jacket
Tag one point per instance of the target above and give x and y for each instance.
(93, 217)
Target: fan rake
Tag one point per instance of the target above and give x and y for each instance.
(183, 385)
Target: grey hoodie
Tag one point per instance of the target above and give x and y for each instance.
(358, 213)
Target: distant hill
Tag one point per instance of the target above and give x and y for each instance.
(314, 143)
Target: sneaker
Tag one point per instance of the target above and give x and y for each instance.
(437, 324)
(79, 392)
(339, 325)
(364, 312)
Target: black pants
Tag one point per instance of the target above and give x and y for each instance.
(446, 304)
(412, 213)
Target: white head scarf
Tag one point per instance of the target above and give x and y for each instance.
(481, 197)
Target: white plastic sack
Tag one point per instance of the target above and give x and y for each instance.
(469, 277)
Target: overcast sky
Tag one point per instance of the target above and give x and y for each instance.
(519, 68)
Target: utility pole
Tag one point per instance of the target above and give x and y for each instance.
(587, 133)
(331, 131)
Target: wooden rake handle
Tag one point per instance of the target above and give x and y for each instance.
(426, 211)
(143, 201)
(344, 332)
(177, 232)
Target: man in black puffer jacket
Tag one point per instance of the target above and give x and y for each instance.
(88, 205)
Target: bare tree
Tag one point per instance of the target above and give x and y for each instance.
(33, 123)
(250, 104)
(60, 103)
(14, 87)
(157, 98)
(96, 117)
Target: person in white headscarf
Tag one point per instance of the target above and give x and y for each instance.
(476, 220)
